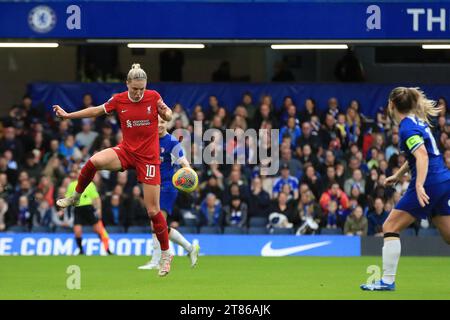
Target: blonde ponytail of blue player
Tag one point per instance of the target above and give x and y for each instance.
(185, 179)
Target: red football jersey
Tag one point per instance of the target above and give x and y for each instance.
(139, 123)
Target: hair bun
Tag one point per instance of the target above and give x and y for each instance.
(135, 66)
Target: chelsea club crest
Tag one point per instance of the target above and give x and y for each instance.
(42, 19)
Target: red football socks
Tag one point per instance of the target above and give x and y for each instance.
(160, 229)
(85, 177)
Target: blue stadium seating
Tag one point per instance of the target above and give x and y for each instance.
(190, 222)
(258, 222)
(138, 229)
(115, 229)
(430, 232)
(282, 231)
(210, 230)
(63, 230)
(187, 229)
(410, 232)
(234, 230)
(88, 229)
(41, 229)
(17, 229)
(258, 230)
(325, 231)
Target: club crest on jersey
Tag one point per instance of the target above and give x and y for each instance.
(149, 109)
(162, 150)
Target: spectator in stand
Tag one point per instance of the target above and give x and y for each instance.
(334, 193)
(309, 111)
(393, 147)
(247, 103)
(265, 113)
(328, 132)
(312, 179)
(291, 129)
(86, 137)
(356, 223)
(12, 143)
(333, 107)
(356, 179)
(308, 157)
(32, 167)
(106, 134)
(377, 216)
(236, 213)
(211, 185)
(69, 150)
(309, 137)
(178, 113)
(42, 216)
(136, 208)
(295, 166)
(3, 210)
(307, 208)
(114, 212)
(259, 201)
(210, 213)
(283, 206)
(285, 178)
(24, 213)
(213, 107)
(332, 215)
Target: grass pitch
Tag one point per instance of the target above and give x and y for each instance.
(226, 278)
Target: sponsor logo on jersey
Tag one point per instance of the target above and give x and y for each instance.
(138, 123)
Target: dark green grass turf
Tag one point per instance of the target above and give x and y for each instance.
(219, 278)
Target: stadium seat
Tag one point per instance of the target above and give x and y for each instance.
(138, 229)
(258, 230)
(234, 230)
(325, 231)
(282, 231)
(17, 229)
(258, 222)
(190, 222)
(429, 232)
(63, 230)
(187, 230)
(89, 229)
(410, 232)
(41, 229)
(115, 229)
(210, 230)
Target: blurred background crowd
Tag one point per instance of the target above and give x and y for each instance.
(330, 180)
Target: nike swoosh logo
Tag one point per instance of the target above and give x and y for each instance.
(124, 111)
(268, 251)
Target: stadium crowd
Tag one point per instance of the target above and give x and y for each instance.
(332, 168)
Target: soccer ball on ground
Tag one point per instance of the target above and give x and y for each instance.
(185, 179)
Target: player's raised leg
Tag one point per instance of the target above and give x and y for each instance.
(104, 160)
(151, 200)
(397, 221)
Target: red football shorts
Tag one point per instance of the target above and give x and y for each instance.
(146, 171)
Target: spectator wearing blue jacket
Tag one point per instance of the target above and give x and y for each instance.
(376, 218)
(210, 211)
(285, 178)
(291, 129)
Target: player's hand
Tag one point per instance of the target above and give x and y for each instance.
(422, 196)
(390, 181)
(60, 113)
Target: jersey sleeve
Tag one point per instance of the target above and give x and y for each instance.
(110, 105)
(91, 191)
(70, 189)
(412, 137)
(177, 152)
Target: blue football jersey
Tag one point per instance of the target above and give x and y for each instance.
(414, 133)
(170, 152)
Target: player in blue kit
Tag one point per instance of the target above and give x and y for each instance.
(172, 157)
(428, 194)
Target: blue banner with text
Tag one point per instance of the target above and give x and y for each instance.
(44, 244)
(282, 20)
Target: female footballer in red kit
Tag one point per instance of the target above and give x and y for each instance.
(138, 110)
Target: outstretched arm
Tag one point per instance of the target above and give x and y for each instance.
(85, 113)
(164, 111)
(397, 176)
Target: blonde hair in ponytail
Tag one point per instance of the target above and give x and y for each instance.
(136, 73)
(424, 108)
(414, 100)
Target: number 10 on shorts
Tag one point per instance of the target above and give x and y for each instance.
(150, 170)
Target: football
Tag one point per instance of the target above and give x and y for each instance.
(185, 179)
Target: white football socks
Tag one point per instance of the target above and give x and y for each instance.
(178, 238)
(391, 255)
